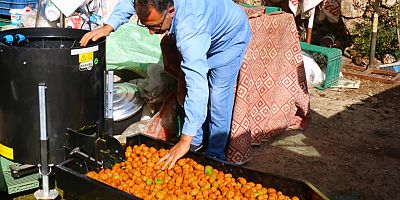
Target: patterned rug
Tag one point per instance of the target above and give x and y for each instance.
(271, 94)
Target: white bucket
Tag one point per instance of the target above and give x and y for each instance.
(51, 12)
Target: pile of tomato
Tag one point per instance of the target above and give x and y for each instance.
(141, 176)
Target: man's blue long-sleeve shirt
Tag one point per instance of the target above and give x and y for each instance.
(206, 32)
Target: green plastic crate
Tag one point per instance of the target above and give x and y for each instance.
(268, 9)
(7, 182)
(4, 22)
(333, 62)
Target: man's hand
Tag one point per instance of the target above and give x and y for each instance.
(176, 152)
(96, 34)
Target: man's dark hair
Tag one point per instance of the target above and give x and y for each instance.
(145, 5)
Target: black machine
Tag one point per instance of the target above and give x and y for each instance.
(76, 97)
(70, 78)
(75, 90)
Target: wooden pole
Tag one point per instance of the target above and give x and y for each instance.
(397, 23)
(374, 33)
(310, 25)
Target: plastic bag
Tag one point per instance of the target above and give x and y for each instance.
(157, 85)
(162, 125)
(314, 75)
(131, 47)
(29, 20)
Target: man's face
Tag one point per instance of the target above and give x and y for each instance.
(157, 22)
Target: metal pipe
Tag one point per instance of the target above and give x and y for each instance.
(45, 193)
(43, 139)
(110, 87)
(79, 154)
(109, 112)
(39, 7)
(62, 20)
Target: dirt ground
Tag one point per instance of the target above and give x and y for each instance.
(350, 151)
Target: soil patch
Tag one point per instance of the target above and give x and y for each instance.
(351, 149)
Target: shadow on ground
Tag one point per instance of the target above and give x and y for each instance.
(349, 155)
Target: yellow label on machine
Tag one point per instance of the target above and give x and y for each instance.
(86, 57)
(6, 152)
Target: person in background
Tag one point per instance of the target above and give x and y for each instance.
(212, 36)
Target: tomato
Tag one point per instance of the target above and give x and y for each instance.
(208, 170)
(149, 181)
(242, 180)
(158, 181)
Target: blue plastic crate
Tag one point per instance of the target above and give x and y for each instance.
(7, 5)
(395, 68)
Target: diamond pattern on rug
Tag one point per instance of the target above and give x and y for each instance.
(271, 94)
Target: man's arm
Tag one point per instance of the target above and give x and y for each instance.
(193, 47)
(195, 67)
(120, 15)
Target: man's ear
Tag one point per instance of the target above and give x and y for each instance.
(171, 11)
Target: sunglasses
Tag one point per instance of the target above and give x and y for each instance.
(153, 27)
